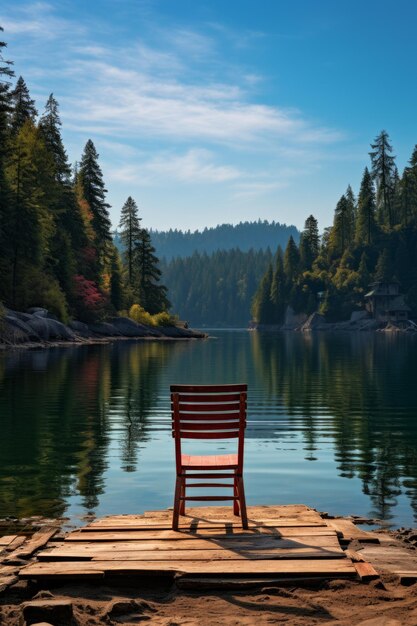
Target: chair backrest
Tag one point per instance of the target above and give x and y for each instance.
(208, 412)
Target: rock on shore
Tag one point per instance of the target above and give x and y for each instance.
(37, 327)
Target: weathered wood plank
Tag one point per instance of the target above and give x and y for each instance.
(6, 539)
(350, 532)
(256, 542)
(201, 555)
(365, 571)
(261, 511)
(195, 524)
(302, 567)
(37, 541)
(215, 533)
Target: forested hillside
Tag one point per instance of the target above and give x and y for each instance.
(373, 237)
(258, 235)
(56, 245)
(216, 289)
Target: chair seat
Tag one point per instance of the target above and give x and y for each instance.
(219, 461)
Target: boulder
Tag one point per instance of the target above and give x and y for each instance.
(26, 333)
(104, 329)
(80, 328)
(293, 320)
(129, 328)
(40, 326)
(37, 310)
(314, 322)
(57, 330)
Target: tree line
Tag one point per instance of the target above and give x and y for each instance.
(373, 237)
(257, 235)
(56, 244)
(215, 289)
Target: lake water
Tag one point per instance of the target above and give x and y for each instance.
(332, 423)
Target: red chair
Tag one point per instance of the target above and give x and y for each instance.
(209, 412)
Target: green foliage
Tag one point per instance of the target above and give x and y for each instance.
(138, 314)
(373, 239)
(164, 319)
(35, 288)
(56, 248)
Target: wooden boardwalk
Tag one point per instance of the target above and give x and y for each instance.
(291, 541)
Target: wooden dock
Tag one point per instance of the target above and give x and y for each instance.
(289, 541)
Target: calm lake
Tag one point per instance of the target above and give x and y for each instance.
(332, 423)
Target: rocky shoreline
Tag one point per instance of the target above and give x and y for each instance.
(359, 321)
(37, 328)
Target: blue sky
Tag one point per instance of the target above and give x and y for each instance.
(222, 111)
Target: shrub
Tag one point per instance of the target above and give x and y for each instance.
(90, 302)
(138, 314)
(39, 289)
(164, 319)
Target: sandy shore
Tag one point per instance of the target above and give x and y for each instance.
(165, 602)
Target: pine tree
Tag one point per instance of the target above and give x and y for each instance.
(152, 295)
(291, 261)
(116, 287)
(94, 193)
(49, 125)
(350, 197)
(277, 296)
(262, 305)
(130, 233)
(342, 232)
(365, 222)
(383, 172)
(408, 190)
(309, 243)
(383, 269)
(5, 109)
(23, 107)
(30, 225)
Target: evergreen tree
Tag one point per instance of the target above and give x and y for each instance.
(383, 173)
(291, 261)
(342, 232)
(365, 222)
(309, 243)
(352, 208)
(130, 233)
(5, 109)
(23, 107)
(364, 276)
(383, 270)
(408, 186)
(30, 225)
(94, 193)
(277, 295)
(116, 286)
(262, 306)
(49, 125)
(152, 295)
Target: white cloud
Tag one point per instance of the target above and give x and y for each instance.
(195, 166)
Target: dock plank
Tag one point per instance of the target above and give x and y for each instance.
(231, 542)
(302, 567)
(137, 535)
(350, 531)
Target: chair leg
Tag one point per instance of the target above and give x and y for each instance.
(235, 502)
(182, 493)
(177, 502)
(242, 501)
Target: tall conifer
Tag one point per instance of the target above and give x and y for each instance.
(365, 222)
(383, 164)
(23, 107)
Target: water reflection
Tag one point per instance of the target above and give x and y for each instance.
(366, 386)
(55, 419)
(332, 418)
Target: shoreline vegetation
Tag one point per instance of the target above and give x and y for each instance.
(39, 329)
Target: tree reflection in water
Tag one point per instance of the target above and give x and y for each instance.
(365, 387)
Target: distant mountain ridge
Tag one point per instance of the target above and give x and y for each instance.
(258, 235)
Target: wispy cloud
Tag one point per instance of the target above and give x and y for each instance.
(164, 104)
(194, 167)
